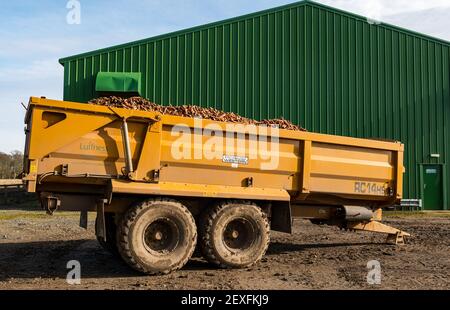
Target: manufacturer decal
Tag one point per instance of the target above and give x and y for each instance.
(236, 160)
(92, 147)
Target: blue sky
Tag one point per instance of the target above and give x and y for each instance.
(35, 34)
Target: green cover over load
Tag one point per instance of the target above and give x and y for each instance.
(125, 82)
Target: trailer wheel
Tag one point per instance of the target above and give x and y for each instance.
(110, 244)
(157, 236)
(234, 234)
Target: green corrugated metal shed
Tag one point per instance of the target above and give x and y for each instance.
(328, 70)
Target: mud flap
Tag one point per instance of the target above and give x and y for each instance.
(84, 219)
(100, 227)
(281, 219)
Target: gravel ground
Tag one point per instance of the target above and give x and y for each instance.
(35, 248)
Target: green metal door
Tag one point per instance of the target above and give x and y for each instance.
(432, 187)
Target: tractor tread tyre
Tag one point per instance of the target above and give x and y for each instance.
(128, 242)
(208, 234)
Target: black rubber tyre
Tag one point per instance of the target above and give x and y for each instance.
(157, 236)
(110, 244)
(234, 234)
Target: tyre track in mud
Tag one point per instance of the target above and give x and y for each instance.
(34, 253)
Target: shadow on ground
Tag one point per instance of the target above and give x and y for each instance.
(276, 248)
(48, 259)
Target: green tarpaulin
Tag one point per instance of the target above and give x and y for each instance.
(124, 82)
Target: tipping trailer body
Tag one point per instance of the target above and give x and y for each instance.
(158, 179)
(74, 144)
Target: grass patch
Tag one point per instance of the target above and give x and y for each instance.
(31, 215)
(417, 214)
(29, 205)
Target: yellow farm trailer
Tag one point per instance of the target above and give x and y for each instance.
(162, 185)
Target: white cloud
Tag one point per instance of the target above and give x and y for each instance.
(37, 70)
(434, 22)
(36, 46)
(432, 14)
(385, 7)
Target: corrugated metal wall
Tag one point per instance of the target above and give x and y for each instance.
(329, 71)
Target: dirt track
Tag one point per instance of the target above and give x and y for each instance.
(35, 248)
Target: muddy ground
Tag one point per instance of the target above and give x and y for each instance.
(35, 248)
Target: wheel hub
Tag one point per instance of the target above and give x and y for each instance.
(158, 236)
(239, 234)
(235, 234)
(161, 236)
